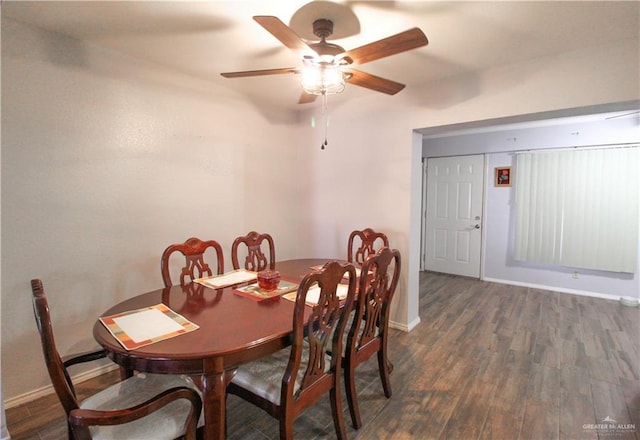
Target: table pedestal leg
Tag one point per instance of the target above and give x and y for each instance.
(125, 373)
(214, 405)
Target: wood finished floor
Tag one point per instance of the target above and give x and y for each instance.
(487, 361)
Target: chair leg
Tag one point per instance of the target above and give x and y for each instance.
(286, 428)
(336, 410)
(385, 368)
(352, 397)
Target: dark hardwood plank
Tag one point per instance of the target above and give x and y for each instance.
(501, 424)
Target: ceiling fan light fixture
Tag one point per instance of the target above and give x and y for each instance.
(327, 66)
(322, 79)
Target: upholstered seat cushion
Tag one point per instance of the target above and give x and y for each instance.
(263, 377)
(166, 423)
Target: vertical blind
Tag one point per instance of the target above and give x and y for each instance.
(579, 208)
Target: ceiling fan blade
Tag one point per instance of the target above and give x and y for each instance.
(306, 98)
(260, 72)
(373, 82)
(283, 33)
(398, 43)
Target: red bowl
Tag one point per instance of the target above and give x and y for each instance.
(268, 279)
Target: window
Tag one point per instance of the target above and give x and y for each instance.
(579, 207)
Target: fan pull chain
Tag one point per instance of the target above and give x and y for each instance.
(326, 120)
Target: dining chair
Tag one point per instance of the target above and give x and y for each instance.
(254, 257)
(145, 406)
(195, 265)
(364, 243)
(369, 331)
(293, 379)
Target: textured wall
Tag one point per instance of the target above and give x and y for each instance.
(105, 162)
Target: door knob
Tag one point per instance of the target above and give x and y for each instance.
(476, 226)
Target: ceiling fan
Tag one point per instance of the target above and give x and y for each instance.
(327, 66)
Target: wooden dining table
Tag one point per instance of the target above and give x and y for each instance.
(233, 329)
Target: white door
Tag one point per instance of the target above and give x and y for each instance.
(453, 229)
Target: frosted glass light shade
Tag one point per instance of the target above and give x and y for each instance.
(322, 80)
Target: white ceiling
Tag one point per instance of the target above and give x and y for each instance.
(203, 39)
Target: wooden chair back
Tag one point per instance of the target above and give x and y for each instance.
(323, 333)
(287, 382)
(255, 258)
(363, 244)
(370, 326)
(60, 378)
(195, 266)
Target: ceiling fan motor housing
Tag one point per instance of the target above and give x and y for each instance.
(323, 28)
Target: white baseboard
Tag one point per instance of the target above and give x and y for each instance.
(405, 327)
(555, 289)
(46, 390)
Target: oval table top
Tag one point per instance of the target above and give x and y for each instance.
(230, 324)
